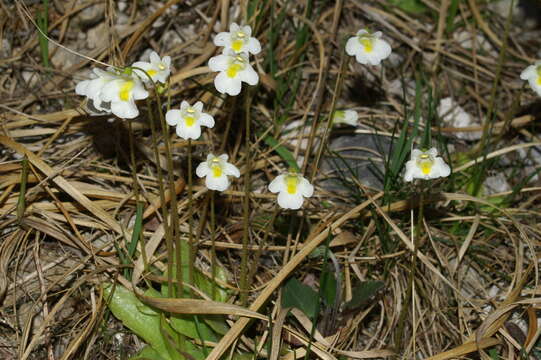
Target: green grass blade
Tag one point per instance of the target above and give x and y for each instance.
(282, 151)
(43, 24)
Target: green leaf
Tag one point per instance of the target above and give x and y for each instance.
(148, 353)
(282, 151)
(138, 317)
(328, 284)
(363, 293)
(296, 294)
(411, 6)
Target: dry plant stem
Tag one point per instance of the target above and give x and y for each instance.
(246, 209)
(190, 217)
(166, 223)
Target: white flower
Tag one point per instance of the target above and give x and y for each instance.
(348, 117)
(533, 74)
(426, 165)
(234, 69)
(368, 48)
(158, 69)
(238, 39)
(122, 93)
(216, 169)
(189, 120)
(92, 88)
(292, 188)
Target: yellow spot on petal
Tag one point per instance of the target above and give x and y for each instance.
(189, 120)
(125, 90)
(368, 44)
(292, 183)
(161, 67)
(539, 80)
(233, 70)
(151, 72)
(426, 167)
(216, 170)
(339, 115)
(237, 45)
(425, 163)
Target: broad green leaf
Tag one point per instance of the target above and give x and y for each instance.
(148, 353)
(185, 324)
(296, 294)
(126, 307)
(363, 293)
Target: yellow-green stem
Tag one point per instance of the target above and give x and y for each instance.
(246, 211)
(175, 231)
(136, 189)
(168, 237)
(213, 244)
(190, 216)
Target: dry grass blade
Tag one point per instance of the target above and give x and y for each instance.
(62, 183)
(203, 307)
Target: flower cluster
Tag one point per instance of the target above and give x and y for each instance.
(114, 91)
(233, 65)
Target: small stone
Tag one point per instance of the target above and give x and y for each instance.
(361, 156)
(465, 39)
(96, 35)
(496, 184)
(453, 115)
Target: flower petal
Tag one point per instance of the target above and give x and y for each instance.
(305, 188)
(249, 75)
(226, 85)
(124, 109)
(220, 183)
(206, 120)
(198, 106)
(277, 184)
(218, 63)
(155, 58)
(290, 201)
(254, 46)
(202, 169)
(232, 170)
(352, 46)
(173, 117)
(222, 39)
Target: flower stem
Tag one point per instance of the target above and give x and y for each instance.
(168, 235)
(136, 189)
(190, 216)
(213, 244)
(246, 211)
